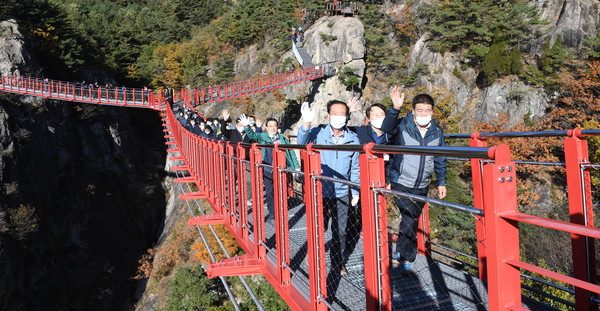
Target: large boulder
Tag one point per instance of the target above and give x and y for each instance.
(513, 98)
(336, 40)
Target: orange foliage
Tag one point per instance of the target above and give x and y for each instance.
(579, 100)
(160, 261)
(145, 268)
(172, 73)
(405, 25)
(524, 149)
(201, 255)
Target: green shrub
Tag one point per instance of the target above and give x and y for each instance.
(191, 289)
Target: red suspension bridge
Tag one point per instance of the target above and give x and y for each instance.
(483, 268)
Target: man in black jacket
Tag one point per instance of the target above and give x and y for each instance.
(236, 135)
(372, 132)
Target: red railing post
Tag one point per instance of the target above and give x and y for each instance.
(581, 212)
(220, 182)
(243, 193)
(313, 200)
(282, 236)
(423, 233)
(231, 220)
(375, 236)
(477, 175)
(502, 235)
(257, 202)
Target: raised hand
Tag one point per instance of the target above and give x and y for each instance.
(244, 120)
(307, 114)
(397, 99)
(353, 105)
(225, 114)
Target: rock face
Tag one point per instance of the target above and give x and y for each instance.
(15, 55)
(573, 20)
(333, 42)
(80, 199)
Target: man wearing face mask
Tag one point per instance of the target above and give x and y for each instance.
(410, 173)
(272, 136)
(372, 132)
(254, 125)
(338, 198)
(236, 135)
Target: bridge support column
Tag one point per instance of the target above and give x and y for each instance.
(258, 202)
(375, 236)
(477, 175)
(281, 217)
(313, 199)
(581, 212)
(242, 168)
(500, 197)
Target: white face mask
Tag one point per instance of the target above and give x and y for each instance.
(252, 122)
(377, 123)
(337, 122)
(202, 127)
(240, 129)
(423, 121)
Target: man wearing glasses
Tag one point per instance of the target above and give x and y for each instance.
(410, 173)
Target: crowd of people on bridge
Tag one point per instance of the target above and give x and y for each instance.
(405, 173)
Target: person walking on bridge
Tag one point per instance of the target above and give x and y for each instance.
(270, 137)
(338, 198)
(410, 173)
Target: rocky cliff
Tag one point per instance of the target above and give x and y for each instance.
(81, 197)
(339, 42)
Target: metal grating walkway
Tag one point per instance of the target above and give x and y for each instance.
(431, 285)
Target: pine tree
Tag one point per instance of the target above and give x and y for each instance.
(591, 46)
(552, 58)
(463, 25)
(497, 62)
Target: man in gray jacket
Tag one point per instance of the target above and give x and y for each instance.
(337, 197)
(410, 173)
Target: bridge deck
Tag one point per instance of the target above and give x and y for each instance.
(431, 285)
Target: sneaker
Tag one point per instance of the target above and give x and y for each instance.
(248, 203)
(396, 258)
(270, 217)
(406, 266)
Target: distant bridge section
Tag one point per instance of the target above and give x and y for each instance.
(153, 99)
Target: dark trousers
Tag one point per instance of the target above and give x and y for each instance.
(411, 211)
(269, 190)
(337, 210)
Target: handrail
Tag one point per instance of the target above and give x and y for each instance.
(563, 133)
(454, 206)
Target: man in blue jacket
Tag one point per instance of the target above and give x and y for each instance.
(410, 173)
(337, 198)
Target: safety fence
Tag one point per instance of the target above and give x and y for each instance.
(153, 99)
(322, 252)
(81, 92)
(220, 92)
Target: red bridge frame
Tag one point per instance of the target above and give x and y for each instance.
(494, 185)
(132, 97)
(495, 193)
